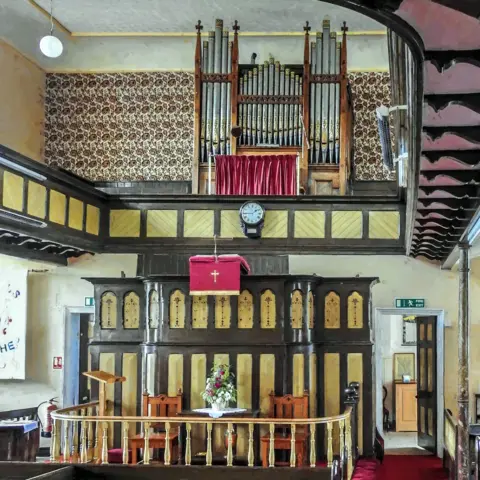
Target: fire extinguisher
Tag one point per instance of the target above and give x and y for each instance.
(48, 426)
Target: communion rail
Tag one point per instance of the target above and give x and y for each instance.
(80, 435)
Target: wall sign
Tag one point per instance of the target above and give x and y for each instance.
(57, 363)
(89, 301)
(409, 303)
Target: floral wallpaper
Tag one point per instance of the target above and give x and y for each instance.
(139, 126)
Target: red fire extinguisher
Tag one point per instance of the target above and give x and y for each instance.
(48, 426)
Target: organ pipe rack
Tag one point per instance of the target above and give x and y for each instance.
(296, 109)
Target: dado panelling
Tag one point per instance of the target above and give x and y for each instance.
(139, 126)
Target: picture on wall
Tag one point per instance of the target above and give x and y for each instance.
(409, 337)
(403, 364)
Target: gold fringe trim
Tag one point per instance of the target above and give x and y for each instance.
(215, 292)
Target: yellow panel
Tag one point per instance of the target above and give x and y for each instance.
(199, 311)
(129, 388)
(312, 379)
(430, 422)
(108, 310)
(268, 310)
(296, 309)
(332, 310)
(430, 369)
(75, 214)
(89, 369)
(355, 310)
(197, 386)
(107, 364)
(244, 397)
(93, 220)
(124, 223)
(177, 309)
(355, 374)
(422, 331)
(230, 224)
(267, 385)
(37, 200)
(153, 309)
(331, 387)
(150, 376)
(12, 191)
(347, 224)
(298, 384)
(219, 430)
(311, 310)
(175, 374)
(162, 223)
(198, 223)
(309, 224)
(57, 208)
(429, 332)
(384, 225)
(422, 420)
(276, 224)
(423, 380)
(245, 310)
(223, 311)
(131, 310)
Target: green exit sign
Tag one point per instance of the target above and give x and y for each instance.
(410, 303)
(89, 301)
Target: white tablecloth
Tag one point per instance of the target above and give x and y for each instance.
(219, 413)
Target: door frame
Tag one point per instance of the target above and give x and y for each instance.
(71, 329)
(377, 380)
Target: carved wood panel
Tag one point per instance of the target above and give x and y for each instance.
(199, 311)
(311, 310)
(177, 309)
(296, 309)
(355, 310)
(153, 309)
(131, 310)
(245, 310)
(223, 311)
(332, 310)
(108, 310)
(268, 309)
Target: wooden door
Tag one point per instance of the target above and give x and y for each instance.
(406, 407)
(427, 382)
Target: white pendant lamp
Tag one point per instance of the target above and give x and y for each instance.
(50, 45)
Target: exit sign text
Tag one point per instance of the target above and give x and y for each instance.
(410, 303)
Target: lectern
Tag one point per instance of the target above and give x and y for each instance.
(103, 378)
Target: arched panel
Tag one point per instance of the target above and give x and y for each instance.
(131, 310)
(153, 310)
(199, 311)
(177, 309)
(332, 310)
(311, 310)
(268, 309)
(245, 310)
(223, 311)
(355, 310)
(108, 310)
(296, 309)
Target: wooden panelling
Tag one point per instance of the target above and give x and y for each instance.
(245, 310)
(331, 387)
(199, 311)
(177, 309)
(219, 430)
(244, 397)
(355, 374)
(298, 374)
(347, 224)
(311, 310)
(12, 191)
(107, 364)
(296, 309)
(198, 224)
(93, 220)
(57, 207)
(150, 374)
(267, 384)
(131, 310)
(153, 309)
(268, 310)
(75, 214)
(125, 223)
(108, 310)
(309, 224)
(230, 224)
(312, 380)
(162, 223)
(37, 200)
(129, 388)
(384, 225)
(198, 379)
(276, 224)
(223, 311)
(332, 310)
(355, 310)
(175, 374)
(430, 368)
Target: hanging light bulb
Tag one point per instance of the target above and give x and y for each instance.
(50, 45)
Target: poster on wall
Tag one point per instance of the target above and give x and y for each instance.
(13, 324)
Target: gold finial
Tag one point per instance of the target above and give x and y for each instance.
(344, 28)
(307, 27)
(199, 27)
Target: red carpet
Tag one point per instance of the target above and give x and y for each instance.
(409, 467)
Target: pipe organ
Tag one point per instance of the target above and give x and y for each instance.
(305, 109)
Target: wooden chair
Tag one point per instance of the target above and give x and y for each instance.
(159, 406)
(292, 407)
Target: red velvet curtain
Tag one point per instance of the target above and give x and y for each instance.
(256, 174)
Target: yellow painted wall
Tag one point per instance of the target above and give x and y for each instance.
(22, 91)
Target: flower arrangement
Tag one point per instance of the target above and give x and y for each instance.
(220, 389)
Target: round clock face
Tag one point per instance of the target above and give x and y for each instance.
(252, 213)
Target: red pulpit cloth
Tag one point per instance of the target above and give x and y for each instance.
(220, 276)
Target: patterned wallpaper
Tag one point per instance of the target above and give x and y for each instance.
(139, 126)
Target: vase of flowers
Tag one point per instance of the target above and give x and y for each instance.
(220, 388)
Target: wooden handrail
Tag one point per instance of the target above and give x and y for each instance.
(75, 408)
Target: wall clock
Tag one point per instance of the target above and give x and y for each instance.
(252, 218)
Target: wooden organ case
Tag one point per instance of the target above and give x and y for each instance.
(276, 106)
(284, 333)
